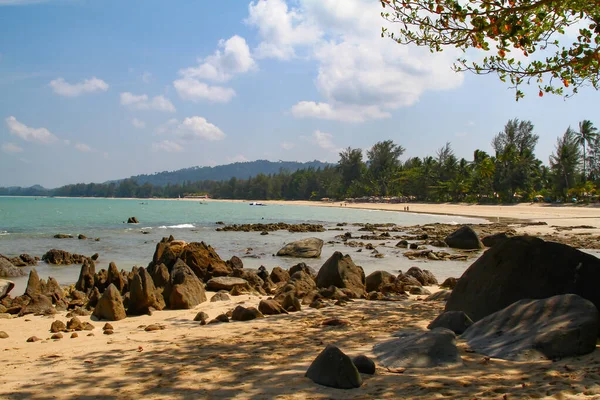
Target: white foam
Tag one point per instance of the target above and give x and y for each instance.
(4, 233)
(180, 226)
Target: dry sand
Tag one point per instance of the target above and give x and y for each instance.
(262, 359)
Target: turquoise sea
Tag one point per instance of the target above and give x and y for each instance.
(28, 224)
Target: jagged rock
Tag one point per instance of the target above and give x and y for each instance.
(559, 326)
(143, 295)
(34, 285)
(58, 326)
(61, 257)
(464, 238)
(132, 220)
(279, 275)
(304, 268)
(38, 305)
(376, 280)
(204, 261)
(364, 364)
(5, 287)
(220, 296)
(335, 369)
(110, 306)
(185, 290)
(225, 283)
(419, 350)
(456, 321)
(81, 237)
(86, 276)
(114, 277)
(524, 267)
(160, 275)
(340, 271)
(305, 248)
(241, 313)
(271, 307)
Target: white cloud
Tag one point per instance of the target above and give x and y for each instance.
(233, 58)
(198, 127)
(360, 75)
(168, 146)
(11, 148)
(38, 135)
(64, 88)
(143, 102)
(345, 113)
(138, 123)
(146, 76)
(194, 90)
(82, 147)
(287, 146)
(235, 159)
(281, 28)
(324, 140)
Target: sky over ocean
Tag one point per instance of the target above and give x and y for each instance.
(99, 90)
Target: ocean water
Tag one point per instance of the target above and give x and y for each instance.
(28, 224)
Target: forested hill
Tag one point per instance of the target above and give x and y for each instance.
(240, 170)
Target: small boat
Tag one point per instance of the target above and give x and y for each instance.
(255, 203)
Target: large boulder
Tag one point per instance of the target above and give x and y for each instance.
(271, 307)
(61, 257)
(524, 267)
(225, 283)
(456, 321)
(241, 313)
(464, 238)
(494, 239)
(86, 276)
(204, 261)
(184, 290)
(335, 369)
(38, 305)
(110, 306)
(300, 285)
(305, 248)
(8, 270)
(378, 279)
(419, 350)
(279, 275)
(340, 271)
(559, 326)
(5, 288)
(143, 295)
(425, 277)
(115, 277)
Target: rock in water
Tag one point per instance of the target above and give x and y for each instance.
(334, 369)
(464, 238)
(305, 248)
(524, 267)
(132, 220)
(5, 287)
(184, 290)
(419, 350)
(456, 321)
(110, 306)
(340, 271)
(560, 326)
(143, 294)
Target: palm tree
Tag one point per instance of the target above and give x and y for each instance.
(586, 135)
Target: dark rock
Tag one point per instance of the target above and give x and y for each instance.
(63, 236)
(241, 313)
(56, 336)
(464, 238)
(300, 285)
(340, 271)
(524, 267)
(335, 322)
(38, 305)
(449, 283)
(305, 248)
(58, 326)
(317, 304)
(235, 263)
(492, 240)
(335, 369)
(279, 275)
(408, 280)
(419, 350)
(403, 244)
(376, 280)
(107, 326)
(132, 220)
(74, 335)
(271, 307)
(424, 277)
(456, 321)
(304, 268)
(3, 335)
(442, 295)
(364, 364)
(95, 256)
(81, 237)
(220, 296)
(33, 339)
(419, 291)
(201, 316)
(5, 287)
(114, 277)
(291, 303)
(143, 295)
(185, 290)
(108, 331)
(61, 257)
(559, 326)
(34, 286)
(225, 283)
(160, 275)
(110, 306)
(204, 261)
(8, 270)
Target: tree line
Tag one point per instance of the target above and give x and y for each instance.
(511, 174)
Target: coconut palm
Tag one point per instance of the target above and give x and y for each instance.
(586, 136)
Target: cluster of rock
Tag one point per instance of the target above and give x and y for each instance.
(279, 226)
(11, 267)
(61, 257)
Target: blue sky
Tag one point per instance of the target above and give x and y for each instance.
(99, 90)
